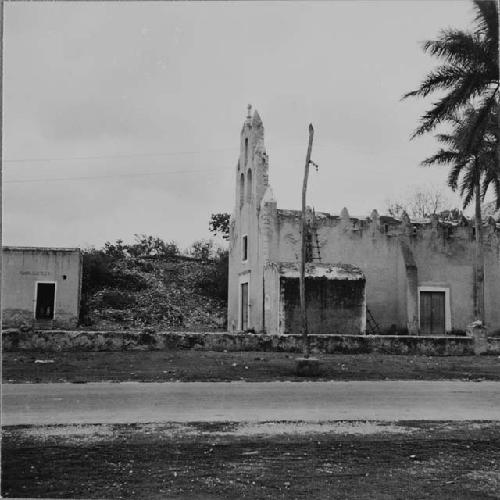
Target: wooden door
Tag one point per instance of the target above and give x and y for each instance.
(432, 315)
(244, 306)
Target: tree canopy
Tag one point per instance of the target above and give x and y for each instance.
(469, 73)
(219, 224)
(472, 157)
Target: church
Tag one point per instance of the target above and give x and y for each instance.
(376, 274)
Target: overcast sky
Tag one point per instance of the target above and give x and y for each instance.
(123, 118)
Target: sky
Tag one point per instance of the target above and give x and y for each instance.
(122, 118)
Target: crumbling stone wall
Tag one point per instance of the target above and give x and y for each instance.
(397, 257)
(60, 340)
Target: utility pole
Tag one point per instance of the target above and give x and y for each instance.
(479, 259)
(302, 282)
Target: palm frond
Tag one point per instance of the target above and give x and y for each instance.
(493, 182)
(470, 68)
(448, 139)
(441, 78)
(474, 131)
(442, 157)
(467, 193)
(491, 166)
(467, 185)
(459, 48)
(465, 89)
(454, 175)
(486, 19)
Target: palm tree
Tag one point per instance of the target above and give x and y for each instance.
(469, 77)
(469, 72)
(472, 153)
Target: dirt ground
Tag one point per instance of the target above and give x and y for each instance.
(354, 460)
(190, 365)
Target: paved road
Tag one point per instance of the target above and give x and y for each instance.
(243, 401)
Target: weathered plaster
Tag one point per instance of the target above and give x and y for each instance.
(396, 256)
(24, 267)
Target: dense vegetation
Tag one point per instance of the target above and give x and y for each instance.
(151, 283)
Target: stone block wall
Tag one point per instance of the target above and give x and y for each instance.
(75, 340)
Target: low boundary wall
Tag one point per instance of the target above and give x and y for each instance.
(79, 340)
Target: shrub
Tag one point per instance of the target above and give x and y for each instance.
(214, 282)
(152, 246)
(97, 271)
(116, 299)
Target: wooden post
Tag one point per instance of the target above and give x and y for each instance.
(302, 282)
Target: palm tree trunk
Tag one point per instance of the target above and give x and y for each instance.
(479, 258)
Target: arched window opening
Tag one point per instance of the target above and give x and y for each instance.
(249, 185)
(242, 189)
(246, 150)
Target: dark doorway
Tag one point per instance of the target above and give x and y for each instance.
(45, 297)
(333, 306)
(244, 306)
(432, 315)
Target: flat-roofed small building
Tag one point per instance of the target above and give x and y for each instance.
(335, 297)
(41, 286)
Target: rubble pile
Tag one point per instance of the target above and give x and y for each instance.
(180, 294)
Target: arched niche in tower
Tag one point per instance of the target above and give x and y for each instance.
(246, 151)
(249, 185)
(242, 189)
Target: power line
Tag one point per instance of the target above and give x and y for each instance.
(132, 155)
(105, 157)
(109, 176)
(21, 161)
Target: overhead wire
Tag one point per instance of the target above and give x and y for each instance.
(22, 161)
(166, 153)
(116, 156)
(109, 176)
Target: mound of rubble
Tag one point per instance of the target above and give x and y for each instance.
(164, 295)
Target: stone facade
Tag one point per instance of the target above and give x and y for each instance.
(41, 287)
(419, 274)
